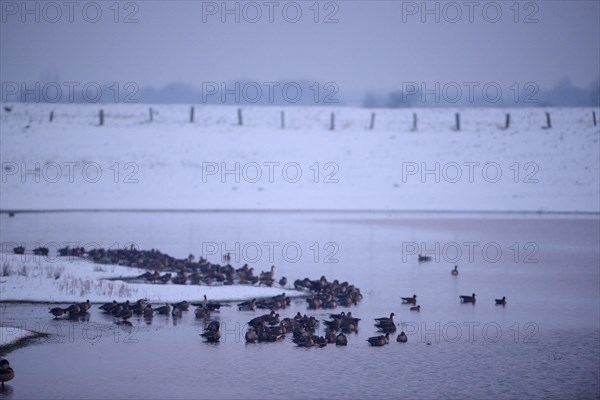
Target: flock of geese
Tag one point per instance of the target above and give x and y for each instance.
(270, 327)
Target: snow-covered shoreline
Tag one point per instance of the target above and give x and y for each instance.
(10, 335)
(35, 279)
(212, 164)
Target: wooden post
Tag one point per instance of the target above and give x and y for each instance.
(414, 127)
(282, 119)
(372, 121)
(507, 123)
(332, 123)
(240, 121)
(192, 115)
(101, 117)
(457, 118)
(151, 113)
(548, 122)
(51, 116)
(594, 118)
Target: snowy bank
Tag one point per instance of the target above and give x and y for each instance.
(212, 164)
(11, 336)
(66, 279)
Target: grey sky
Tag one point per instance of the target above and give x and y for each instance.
(371, 47)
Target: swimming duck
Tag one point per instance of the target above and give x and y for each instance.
(6, 372)
(468, 299)
(416, 308)
(410, 300)
(379, 340)
(402, 338)
(455, 270)
(501, 302)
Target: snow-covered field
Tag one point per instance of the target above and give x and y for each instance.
(65, 279)
(170, 163)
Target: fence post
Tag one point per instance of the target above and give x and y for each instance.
(372, 121)
(332, 123)
(457, 118)
(548, 122)
(192, 115)
(282, 119)
(507, 123)
(101, 117)
(240, 121)
(414, 127)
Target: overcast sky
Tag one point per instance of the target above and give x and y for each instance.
(375, 45)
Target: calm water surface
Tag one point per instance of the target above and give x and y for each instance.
(543, 344)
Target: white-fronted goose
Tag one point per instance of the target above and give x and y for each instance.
(468, 299)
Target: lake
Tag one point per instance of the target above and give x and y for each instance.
(544, 343)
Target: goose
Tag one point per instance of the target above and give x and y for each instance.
(455, 270)
(164, 310)
(202, 312)
(410, 300)
(402, 338)
(41, 251)
(19, 250)
(283, 281)
(125, 314)
(227, 258)
(330, 336)
(385, 320)
(501, 302)
(424, 258)
(468, 299)
(108, 306)
(416, 308)
(6, 372)
(320, 341)
(148, 311)
(386, 325)
(183, 305)
(212, 333)
(341, 340)
(213, 305)
(379, 340)
(85, 306)
(247, 305)
(57, 311)
(251, 336)
(177, 312)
